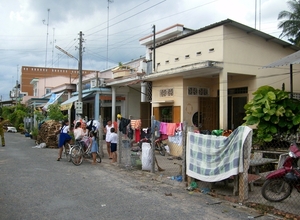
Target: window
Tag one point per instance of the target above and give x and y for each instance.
(166, 92)
(167, 62)
(198, 53)
(48, 90)
(166, 114)
(176, 59)
(187, 56)
(198, 91)
(211, 50)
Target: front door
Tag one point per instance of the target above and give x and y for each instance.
(208, 114)
(238, 111)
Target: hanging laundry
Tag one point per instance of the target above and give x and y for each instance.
(163, 127)
(171, 127)
(176, 139)
(137, 135)
(136, 124)
(123, 124)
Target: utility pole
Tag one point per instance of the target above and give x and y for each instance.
(47, 37)
(79, 105)
(154, 48)
(107, 31)
(80, 68)
(46, 49)
(53, 41)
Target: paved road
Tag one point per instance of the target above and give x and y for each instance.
(33, 185)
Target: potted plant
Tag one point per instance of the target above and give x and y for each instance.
(121, 70)
(274, 114)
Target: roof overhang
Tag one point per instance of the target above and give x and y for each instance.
(162, 101)
(68, 103)
(202, 69)
(64, 87)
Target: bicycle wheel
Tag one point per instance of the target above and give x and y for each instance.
(98, 158)
(76, 155)
(67, 152)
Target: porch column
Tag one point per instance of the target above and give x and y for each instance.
(97, 106)
(223, 99)
(69, 110)
(113, 103)
(143, 92)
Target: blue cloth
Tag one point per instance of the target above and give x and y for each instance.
(94, 148)
(63, 138)
(213, 158)
(156, 126)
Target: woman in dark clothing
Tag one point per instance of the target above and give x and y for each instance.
(63, 137)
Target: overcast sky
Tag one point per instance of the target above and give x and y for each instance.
(29, 32)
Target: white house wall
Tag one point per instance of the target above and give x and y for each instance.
(190, 46)
(133, 103)
(191, 103)
(172, 83)
(246, 54)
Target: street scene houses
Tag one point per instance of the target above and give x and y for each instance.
(203, 77)
(199, 78)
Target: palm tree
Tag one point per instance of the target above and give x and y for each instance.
(291, 25)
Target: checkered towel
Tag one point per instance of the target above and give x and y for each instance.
(214, 158)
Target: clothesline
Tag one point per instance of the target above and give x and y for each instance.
(131, 127)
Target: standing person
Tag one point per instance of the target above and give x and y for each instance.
(107, 131)
(85, 133)
(63, 137)
(78, 134)
(113, 144)
(94, 143)
(2, 122)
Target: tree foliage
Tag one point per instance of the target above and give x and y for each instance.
(291, 22)
(274, 114)
(15, 113)
(54, 113)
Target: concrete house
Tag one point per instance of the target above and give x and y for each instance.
(206, 76)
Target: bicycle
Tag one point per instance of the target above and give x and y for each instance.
(77, 153)
(67, 149)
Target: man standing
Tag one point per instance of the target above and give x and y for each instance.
(2, 122)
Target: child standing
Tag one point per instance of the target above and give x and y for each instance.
(94, 143)
(113, 139)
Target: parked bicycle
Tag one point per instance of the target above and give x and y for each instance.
(77, 153)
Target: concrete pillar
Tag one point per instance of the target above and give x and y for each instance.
(69, 110)
(143, 91)
(97, 105)
(223, 99)
(113, 103)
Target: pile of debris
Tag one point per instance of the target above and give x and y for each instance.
(47, 133)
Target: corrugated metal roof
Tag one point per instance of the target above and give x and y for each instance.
(293, 58)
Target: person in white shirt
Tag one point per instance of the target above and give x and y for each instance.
(113, 139)
(107, 131)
